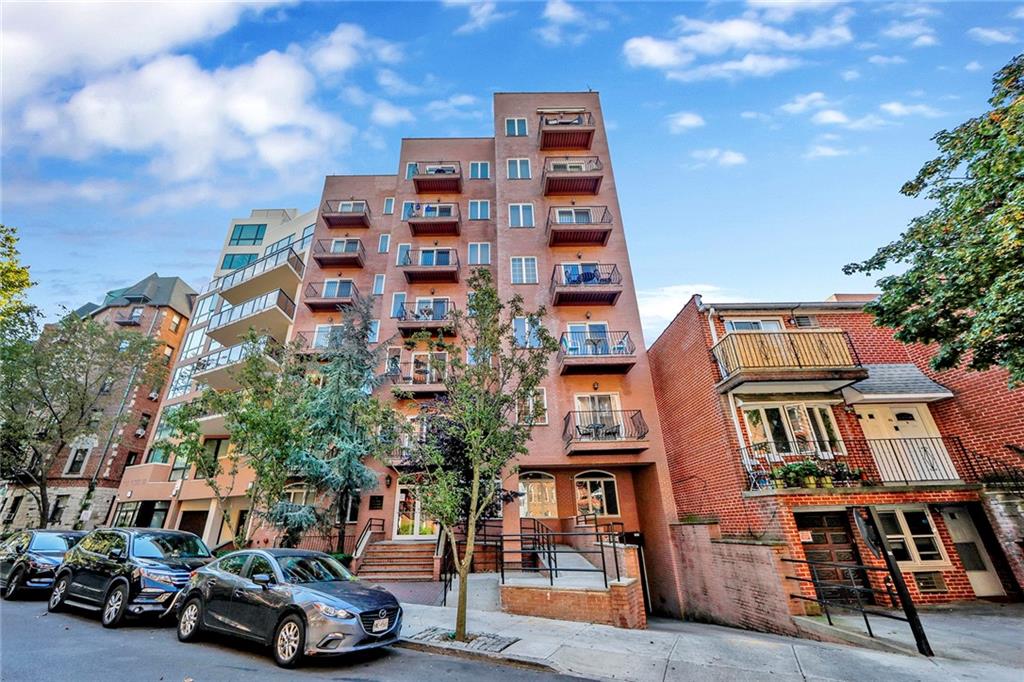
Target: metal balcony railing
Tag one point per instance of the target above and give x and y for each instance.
(572, 164)
(339, 247)
(424, 312)
(338, 288)
(583, 216)
(431, 168)
(346, 207)
(129, 319)
(559, 119)
(417, 372)
(429, 258)
(586, 275)
(603, 425)
(595, 345)
(286, 255)
(807, 349)
(252, 306)
(444, 211)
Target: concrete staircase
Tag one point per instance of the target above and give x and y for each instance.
(394, 561)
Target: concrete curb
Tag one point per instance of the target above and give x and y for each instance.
(502, 659)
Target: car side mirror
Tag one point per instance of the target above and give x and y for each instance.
(116, 554)
(263, 579)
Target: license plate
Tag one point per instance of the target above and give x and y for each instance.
(380, 625)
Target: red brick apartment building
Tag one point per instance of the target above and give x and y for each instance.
(158, 307)
(750, 393)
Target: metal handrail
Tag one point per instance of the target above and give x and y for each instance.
(411, 312)
(372, 525)
(432, 168)
(245, 273)
(346, 206)
(803, 349)
(573, 164)
(344, 288)
(593, 426)
(251, 307)
(603, 274)
(410, 262)
(232, 355)
(599, 215)
(561, 119)
(417, 373)
(319, 247)
(595, 345)
(420, 211)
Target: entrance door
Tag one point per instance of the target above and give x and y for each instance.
(597, 417)
(588, 338)
(826, 537)
(905, 445)
(410, 523)
(193, 522)
(969, 547)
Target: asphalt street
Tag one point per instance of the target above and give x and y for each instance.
(36, 646)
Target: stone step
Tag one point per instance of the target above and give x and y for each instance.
(404, 561)
(397, 577)
(398, 552)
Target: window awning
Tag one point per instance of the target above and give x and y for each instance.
(895, 383)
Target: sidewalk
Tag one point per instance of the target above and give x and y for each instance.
(676, 650)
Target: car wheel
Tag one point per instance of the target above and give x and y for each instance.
(289, 642)
(190, 621)
(114, 607)
(59, 594)
(11, 591)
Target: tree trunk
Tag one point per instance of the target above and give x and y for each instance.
(44, 503)
(467, 557)
(460, 612)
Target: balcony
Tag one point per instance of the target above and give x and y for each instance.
(436, 176)
(131, 319)
(314, 341)
(586, 284)
(579, 226)
(855, 463)
(339, 253)
(430, 265)
(566, 130)
(345, 213)
(429, 220)
(280, 270)
(606, 431)
(329, 295)
(596, 353)
(419, 378)
(217, 370)
(431, 317)
(270, 314)
(793, 361)
(572, 175)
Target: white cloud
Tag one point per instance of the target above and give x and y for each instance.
(655, 53)
(681, 121)
(925, 41)
(43, 41)
(886, 60)
(899, 109)
(659, 306)
(783, 10)
(850, 75)
(482, 14)
(992, 36)
(567, 24)
(822, 151)
(1017, 13)
(755, 116)
(868, 122)
(830, 117)
(456, 106)
(387, 114)
(349, 45)
(395, 85)
(93, 190)
(720, 157)
(918, 32)
(754, 65)
(802, 103)
(718, 37)
(972, 66)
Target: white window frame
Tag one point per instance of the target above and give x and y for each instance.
(604, 479)
(436, 250)
(374, 335)
(481, 165)
(537, 476)
(336, 281)
(71, 459)
(384, 243)
(544, 399)
(517, 119)
(411, 206)
(389, 205)
(730, 321)
(916, 563)
(523, 225)
(484, 204)
(398, 253)
(344, 241)
(191, 350)
(523, 259)
(478, 245)
(573, 210)
(394, 299)
(323, 328)
(431, 357)
(810, 412)
(378, 277)
(519, 168)
(527, 330)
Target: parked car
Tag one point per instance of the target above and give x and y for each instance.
(298, 602)
(127, 571)
(28, 559)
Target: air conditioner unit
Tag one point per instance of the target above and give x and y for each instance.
(140, 432)
(153, 395)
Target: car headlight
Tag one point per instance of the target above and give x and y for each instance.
(332, 611)
(158, 576)
(40, 565)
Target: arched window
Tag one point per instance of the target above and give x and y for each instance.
(538, 499)
(596, 493)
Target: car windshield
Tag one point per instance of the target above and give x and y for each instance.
(312, 569)
(51, 542)
(166, 546)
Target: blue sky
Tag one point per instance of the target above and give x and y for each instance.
(758, 146)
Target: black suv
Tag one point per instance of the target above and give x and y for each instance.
(121, 571)
(29, 557)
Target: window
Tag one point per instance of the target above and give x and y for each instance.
(479, 209)
(307, 237)
(233, 261)
(131, 460)
(398, 304)
(479, 170)
(479, 253)
(791, 428)
(515, 127)
(193, 343)
(280, 244)
(805, 321)
(58, 508)
(537, 495)
(378, 285)
(771, 325)
(374, 335)
(518, 169)
(299, 494)
(596, 493)
(259, 566)
(408, 209)
(322, 335)
(136, 313)
(179, 470)
(205, 308)
(534, 410)
(520, 215)
(350, 508)
(77, 461)
(107, 386)
(383, 243)
(233, 564)
(389, 205)
(124, 516)
(247, 235)
(168, 355)
(213, 450)
(524, 270)
(337, 288)
(144, 422)
(175, 322)
(573, 216)
(525, 332)
(440, 257)
(410, 170)
(181, 381)
(912, 536)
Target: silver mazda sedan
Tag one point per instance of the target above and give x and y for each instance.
(298, 602)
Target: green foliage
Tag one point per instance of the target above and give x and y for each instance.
(964, 287)
(54, 390)
(14, 277)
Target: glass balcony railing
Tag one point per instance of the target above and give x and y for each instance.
(251, 307)
(256, 268)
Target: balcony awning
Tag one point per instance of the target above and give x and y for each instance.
(895, 383)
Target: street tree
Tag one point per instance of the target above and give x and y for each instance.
(14, 277)
(54, 391)
(470, 440)
(963, 286)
